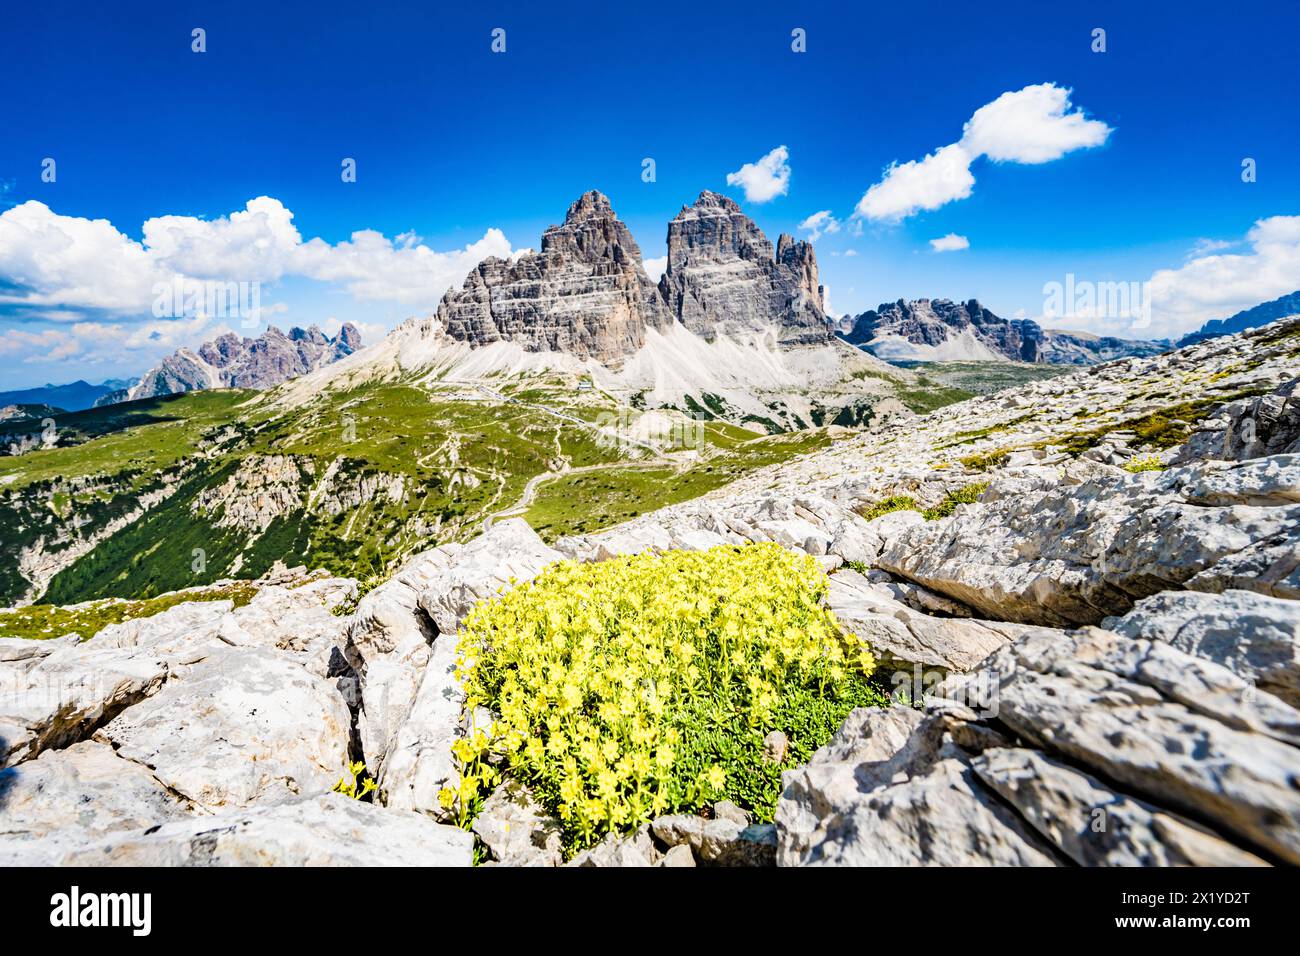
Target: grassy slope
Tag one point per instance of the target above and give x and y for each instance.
(458, 460)
(588, 502)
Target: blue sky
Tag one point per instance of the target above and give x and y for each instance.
(452, 140)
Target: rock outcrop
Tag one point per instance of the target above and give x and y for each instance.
(230, 361)
(1124, 752)
(724, 278)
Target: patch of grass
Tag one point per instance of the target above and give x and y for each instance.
(1147, 463)
(928, 396)
(142, 437)
(46, 621)
(579, 504)
(891, 504)
(962, 496)
(987, 460)
(1160, 429)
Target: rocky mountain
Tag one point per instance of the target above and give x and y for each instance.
(1058, 347)
(724, 277)
(941, 330)
(230, 361)
(1083, 593)
(585, 293)
(1251, 318)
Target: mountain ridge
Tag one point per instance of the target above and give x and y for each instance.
(231, 361)
(940, 329)
(1251, 318)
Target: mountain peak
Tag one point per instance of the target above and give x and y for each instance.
(591, 203)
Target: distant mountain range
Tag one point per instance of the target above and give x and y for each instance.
(233, 362)
(941, 330)
(1251, 318)
(72, 397)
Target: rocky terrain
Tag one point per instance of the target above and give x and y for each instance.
(1085, 590)
(941, 330)
(230, 361)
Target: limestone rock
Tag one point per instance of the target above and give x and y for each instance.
(68, 694)
(243, 727)
(1073, 554)
(678, 856)
(78, 794)
(326, 830)
(615, 851)
(419, 762)
(516, 829)
(1092, 824)
(1171, 729)
(722, 841)
(1255, 636)
(1250, 428)
(899, 635)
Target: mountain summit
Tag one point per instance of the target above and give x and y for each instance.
(724, 276)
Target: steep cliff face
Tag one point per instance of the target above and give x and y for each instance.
(233, 362)
(938, 329)
(723, 276)
(585, 292)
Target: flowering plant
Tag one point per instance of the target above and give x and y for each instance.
(646, 684)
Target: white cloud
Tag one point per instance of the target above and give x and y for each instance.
(109, 342)
(949, 243)
(62, 267)
(1204, 247)
(850, 252)
(96, 284)
(654, 268)
(375, 270)
(820, 224)
(1033, 125)
(909, 188)
(765, 179)
(1216, 286)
